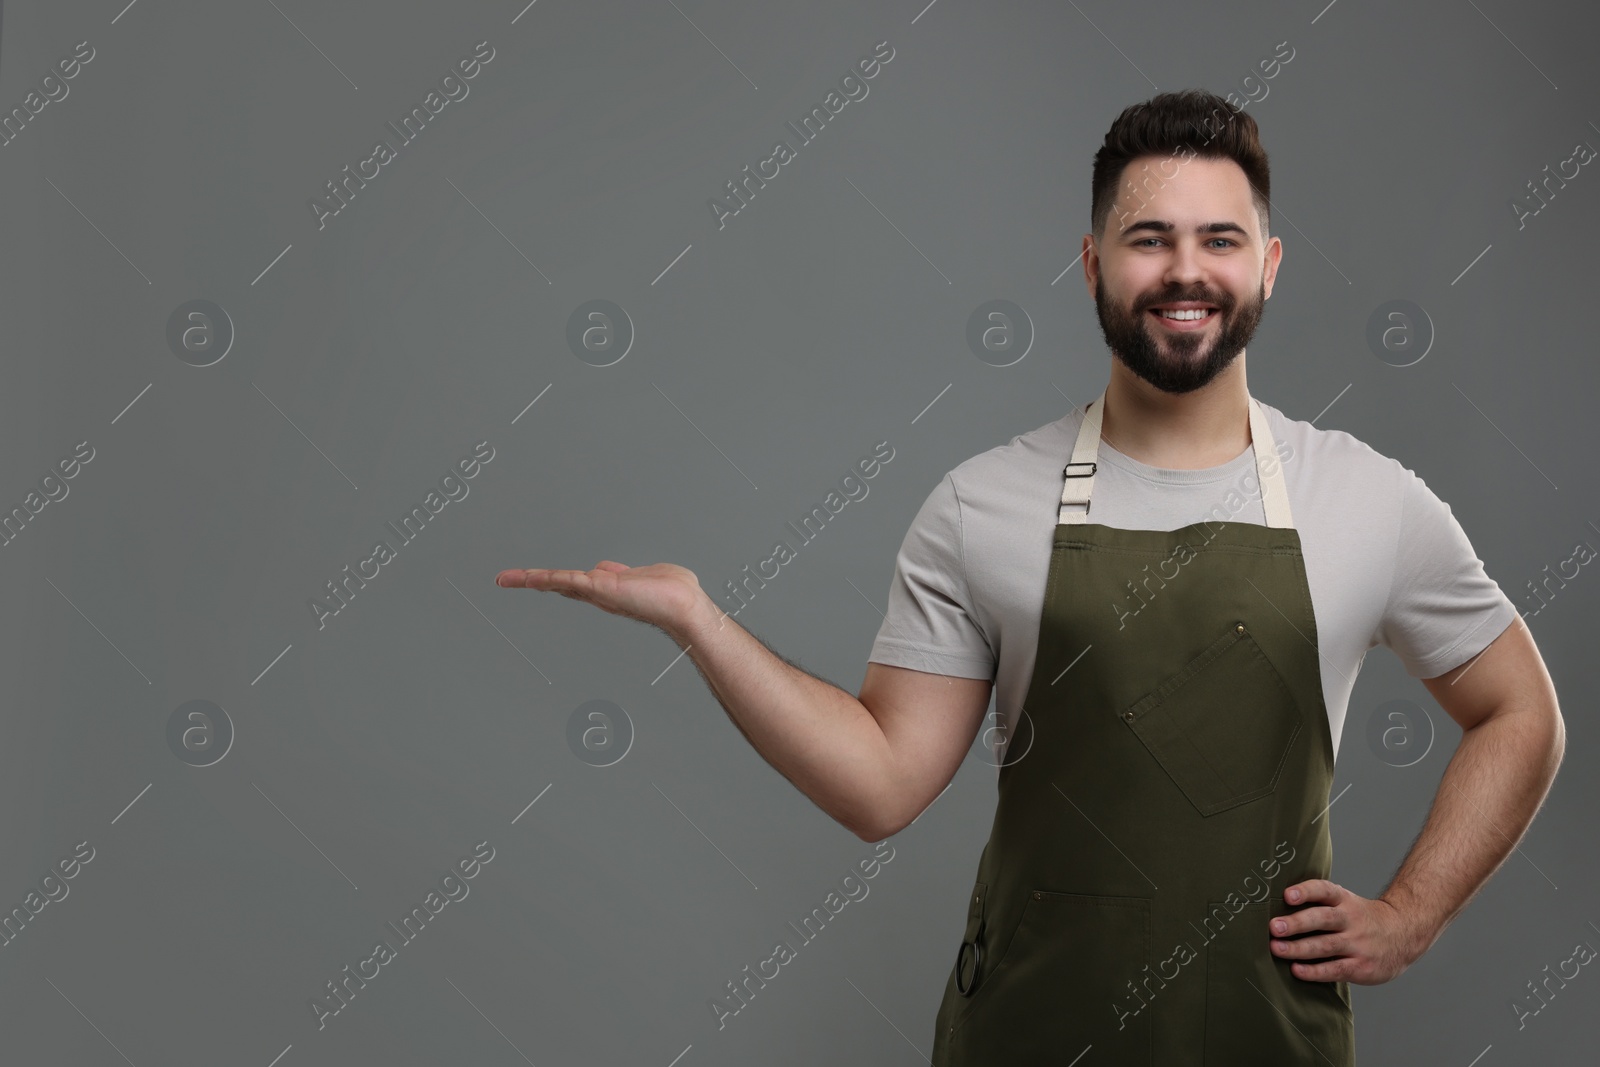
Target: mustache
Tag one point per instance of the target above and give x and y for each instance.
(1223, 301)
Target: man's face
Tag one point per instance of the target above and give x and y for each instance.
(1185, 236)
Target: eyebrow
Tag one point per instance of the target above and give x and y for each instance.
(1163, 226)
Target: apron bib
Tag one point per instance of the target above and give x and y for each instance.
(1172, 782)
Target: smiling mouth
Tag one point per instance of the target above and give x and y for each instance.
(1189, 319)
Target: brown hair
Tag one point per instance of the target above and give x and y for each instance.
(1189, 123)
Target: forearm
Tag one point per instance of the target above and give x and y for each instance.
(815, 734)
(1491, 790)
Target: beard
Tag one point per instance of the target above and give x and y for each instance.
(1174, 361)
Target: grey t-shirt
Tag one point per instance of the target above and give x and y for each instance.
(1386, 561)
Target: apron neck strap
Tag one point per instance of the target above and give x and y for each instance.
(1078, 475)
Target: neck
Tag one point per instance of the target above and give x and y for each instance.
(1205, 428)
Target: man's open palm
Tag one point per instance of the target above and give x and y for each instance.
(662, 594)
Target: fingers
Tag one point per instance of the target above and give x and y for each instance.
(1310, 919)
(1331, 971)
(548, 578)
(1343, 941)
(540, 578)
(1310, 948)
(1328, 923)
(1314, 889)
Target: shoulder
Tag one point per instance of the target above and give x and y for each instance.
(1322, 462)
(1020, 462)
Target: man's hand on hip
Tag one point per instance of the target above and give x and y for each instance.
(1354, 939)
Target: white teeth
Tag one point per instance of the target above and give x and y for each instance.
(1197, 313)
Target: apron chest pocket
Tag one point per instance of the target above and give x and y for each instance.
(1221, 726)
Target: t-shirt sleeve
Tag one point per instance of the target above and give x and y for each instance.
(930, 623)
(1443, 608)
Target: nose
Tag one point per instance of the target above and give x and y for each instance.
(1186, 268)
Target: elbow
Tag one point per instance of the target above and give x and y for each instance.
(876, 825)
(1558, 739)
(885, 805)
(885, 823)
(874, 835)
(1553, 728)
(874, 830)
(894, 809)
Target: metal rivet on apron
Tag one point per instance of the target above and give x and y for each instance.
(1239, 628)
(1037, 895)
(1128, 715)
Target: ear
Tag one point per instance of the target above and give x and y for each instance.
(1269, 266)
(1091, 263)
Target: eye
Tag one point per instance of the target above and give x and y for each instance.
(1145, 241)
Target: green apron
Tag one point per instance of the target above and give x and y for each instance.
(1157, 797)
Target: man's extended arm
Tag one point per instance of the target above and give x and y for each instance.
(872, 763)
(1502, 769)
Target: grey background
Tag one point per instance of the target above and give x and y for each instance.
(826, 317)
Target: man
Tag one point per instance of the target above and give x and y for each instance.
(1155, 886)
